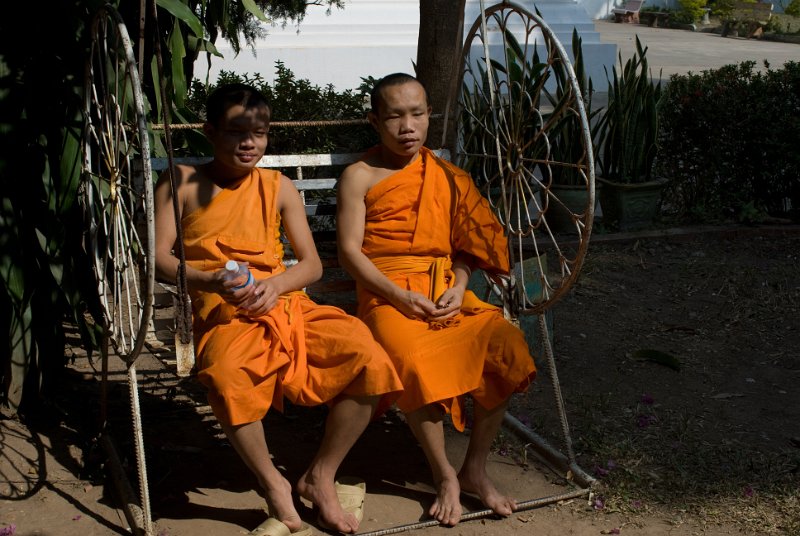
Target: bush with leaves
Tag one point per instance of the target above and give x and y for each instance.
(728, 142)
(627, 129)
(693, 9)
(296, 99)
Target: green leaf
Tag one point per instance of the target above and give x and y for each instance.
(182, 12)
(177, 53)
(657, 356)
(251, 6)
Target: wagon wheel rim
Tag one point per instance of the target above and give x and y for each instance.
(117, 189)
(508, 114)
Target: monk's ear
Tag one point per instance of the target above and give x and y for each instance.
(373, 119)
(430, 109)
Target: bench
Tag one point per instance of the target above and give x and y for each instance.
(628, 12)
(654, 18)
(315, 176)
(751, 17)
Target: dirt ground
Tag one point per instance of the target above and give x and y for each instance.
(678, 359)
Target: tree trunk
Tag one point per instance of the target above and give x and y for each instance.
(441, 37)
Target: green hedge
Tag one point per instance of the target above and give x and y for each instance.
(728, 143)
(297, 99)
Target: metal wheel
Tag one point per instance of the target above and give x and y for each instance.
(117, 189)
(522, 133)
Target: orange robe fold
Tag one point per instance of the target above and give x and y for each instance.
(417, 221)
(307, 352)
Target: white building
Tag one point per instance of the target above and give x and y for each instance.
(378, 37)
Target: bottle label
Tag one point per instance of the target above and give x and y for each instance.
(248, 282)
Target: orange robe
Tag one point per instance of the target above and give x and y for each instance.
(417, 221)
(307, 352)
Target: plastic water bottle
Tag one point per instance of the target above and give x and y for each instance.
(235, 270)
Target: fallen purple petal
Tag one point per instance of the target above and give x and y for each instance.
(643, 421)
(599, 503)
(748, 492)
(599, 471)
(636, 505)
(611, 464)
(647, 400)
(9, 530)
(615, 530)
(524, 420)
(76, 518)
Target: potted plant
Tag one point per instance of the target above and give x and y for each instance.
(627, 142)
(538, 106)
(568, 182)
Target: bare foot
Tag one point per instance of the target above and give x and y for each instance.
(446, 508)
(323, 495)
(281, 506)
(488, 494)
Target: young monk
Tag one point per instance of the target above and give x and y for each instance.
(410, 229)
(268, 340)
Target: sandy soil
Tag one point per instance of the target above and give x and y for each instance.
(724, 303)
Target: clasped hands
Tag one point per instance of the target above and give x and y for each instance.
(417, 306)
(254, 300)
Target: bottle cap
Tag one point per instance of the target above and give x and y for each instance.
(232, 266)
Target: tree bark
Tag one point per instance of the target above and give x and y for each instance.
(441, 37)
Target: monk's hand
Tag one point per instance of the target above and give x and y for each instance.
(449, 304)
(263, 299)
(415, 305)
(227, 288)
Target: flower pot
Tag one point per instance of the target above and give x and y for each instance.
(630, 206)
(569, 200)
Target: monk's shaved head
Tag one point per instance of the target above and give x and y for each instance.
(396, 79)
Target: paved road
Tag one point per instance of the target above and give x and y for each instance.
(681, 51)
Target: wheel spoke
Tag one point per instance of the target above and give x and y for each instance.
(116, 148)
(514, 109)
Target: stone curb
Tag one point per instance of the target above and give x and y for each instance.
(691, 232)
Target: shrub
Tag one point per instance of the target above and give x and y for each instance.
(297, 99)
(693, 9)
(728, 141)
(627, 130)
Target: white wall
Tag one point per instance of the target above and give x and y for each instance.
(377, 37)
(366, 38)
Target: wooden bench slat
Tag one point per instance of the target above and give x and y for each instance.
(308, 160)
(314, 184)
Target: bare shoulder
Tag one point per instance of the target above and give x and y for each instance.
(288, 195)
(287, 187)
(357, 177)
(183, 175)
(192, 184)
(286, 183)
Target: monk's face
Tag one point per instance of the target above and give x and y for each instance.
(402, 118)
(240, 137)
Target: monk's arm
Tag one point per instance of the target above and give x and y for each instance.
(167, 235)
(308, 267)
(293, 215)
(350, 221)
